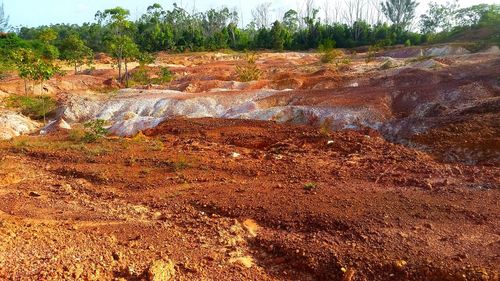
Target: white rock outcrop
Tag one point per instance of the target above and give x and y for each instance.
(13, 124)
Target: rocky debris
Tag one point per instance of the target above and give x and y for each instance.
(246, 261)
(388, 63)
(492, 50)
(404, 53)
(427, 64)
(13, 124)
(55, 126)
(161, 270)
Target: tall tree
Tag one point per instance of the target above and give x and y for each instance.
(75, 51)
(119, 25)
(278, 36)
(261, 15)
(400, 12)
(4, 20)
(438, 17)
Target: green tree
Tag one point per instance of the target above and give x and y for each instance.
(75, 51)
(130, 53)
(438, 17)
(278, 36)
(400, 12)
(47, 35)
(291, 21)
(120, 28)
(33, 68)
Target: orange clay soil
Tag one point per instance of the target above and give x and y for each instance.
(243, 200)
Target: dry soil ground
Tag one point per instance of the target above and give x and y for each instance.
(219, 199)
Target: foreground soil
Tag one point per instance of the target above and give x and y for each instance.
(243, 200)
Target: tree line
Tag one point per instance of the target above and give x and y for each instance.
(177, 30)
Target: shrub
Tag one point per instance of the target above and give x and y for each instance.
(94, 130)
(140, 76)
(327, 57)
(372, 52)
(250, 71)
(35, 107)
(165, 75)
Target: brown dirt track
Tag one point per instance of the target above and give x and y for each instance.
(379, 211)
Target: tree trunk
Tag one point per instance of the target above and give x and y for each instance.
(76, 69)
(120, 70)
(43, 102)
(126, 74)
(26, 87)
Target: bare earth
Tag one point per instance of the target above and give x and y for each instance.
(233, 199)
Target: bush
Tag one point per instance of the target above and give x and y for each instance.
(35, 107)
(140, 76)
(94, 130)
(372, 52)
(165, 75)
(250, 71)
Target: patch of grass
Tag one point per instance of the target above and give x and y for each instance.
(310, 186)
(165, 76)
(180, 163)
(326, 127)
(35, 107)
(142, 76)
(157, 145)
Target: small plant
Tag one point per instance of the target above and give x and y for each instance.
(310, 186)
(326, 127)
(250, 71)
(372, 52)
(180, 163)
(94, 130)
(165, 75)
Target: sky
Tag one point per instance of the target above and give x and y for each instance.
(43, 12)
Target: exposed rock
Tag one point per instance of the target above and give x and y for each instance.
(429, 64)
(447, 50)
(388, 63)
(54, 126)
(404, 53)
(492, 50)
(13, 124)
(161, 270)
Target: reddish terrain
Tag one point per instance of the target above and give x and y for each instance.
(223, 199)
(372, 210)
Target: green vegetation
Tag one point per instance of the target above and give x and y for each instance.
(94, 130)
(36, 107)
(249, 71)
(177, 30)
(445, 22)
